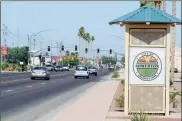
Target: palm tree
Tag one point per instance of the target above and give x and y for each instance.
(156, 3)
(92, 39)
(172, 97)
(81, 34)
(173, 41)
(87, 39)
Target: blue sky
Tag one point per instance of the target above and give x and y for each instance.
(65, 18)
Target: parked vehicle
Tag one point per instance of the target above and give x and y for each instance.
(111, 67)
(40, 72)
(92, 70)
(66, 67)
(81, 71)
(58, 68)
(49, 67)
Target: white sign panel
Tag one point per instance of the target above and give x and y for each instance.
(147, 65)
(21, 63)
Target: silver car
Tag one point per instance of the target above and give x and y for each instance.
(40, 72)
(49, 67)
(92, 70)
(58, 68)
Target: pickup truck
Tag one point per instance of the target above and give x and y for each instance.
(92, 70)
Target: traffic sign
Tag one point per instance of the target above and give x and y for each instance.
(21, 63)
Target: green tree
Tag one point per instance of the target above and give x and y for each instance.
(67, 52)
(72, 54)
(108, 60)
(17, 55)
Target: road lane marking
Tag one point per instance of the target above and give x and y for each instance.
(13, 76)
(29, 78)
(42, 83)
(53, 81)
(15, 80)
(29, 86)
(9, 90)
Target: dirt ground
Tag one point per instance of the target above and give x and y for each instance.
(118, 93)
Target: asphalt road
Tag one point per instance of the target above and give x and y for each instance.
(27, 100)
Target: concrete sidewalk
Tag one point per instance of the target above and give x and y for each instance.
(93, 106)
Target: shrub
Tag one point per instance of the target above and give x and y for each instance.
(115, 75)
(4, 66)
(123, 82)
(141, 116)
(18, 68)
(120, 101)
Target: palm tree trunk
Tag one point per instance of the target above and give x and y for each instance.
(164, 5)
(79, 47)
(91, 49)
(173, 42)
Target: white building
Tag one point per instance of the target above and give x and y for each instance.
(35, 60)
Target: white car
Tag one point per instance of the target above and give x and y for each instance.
(81, 71)
(92, 70)
(66, 68)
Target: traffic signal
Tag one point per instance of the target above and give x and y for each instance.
(110, 51)
(98, 50)
(62, 47)
(49, 48)
(43, 59)
(86, 50)
(76, 48)
(40, 57)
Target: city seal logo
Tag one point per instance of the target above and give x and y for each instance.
(147, 66)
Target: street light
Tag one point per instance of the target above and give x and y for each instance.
(30, 43)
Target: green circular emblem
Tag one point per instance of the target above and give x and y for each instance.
(147, 66)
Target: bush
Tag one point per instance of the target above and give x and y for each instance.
(18, 68)
(115, 75)
(141, 116)
(120, 101)
(123, 82)
(4, 66)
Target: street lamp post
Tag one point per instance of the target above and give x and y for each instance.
(30, 43)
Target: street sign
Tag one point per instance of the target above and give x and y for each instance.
(4, 50)
(21, 63)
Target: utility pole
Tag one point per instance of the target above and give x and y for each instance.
(51, 51)
(5, 33)
(34, 49)
(40, 46)
(173, 41)
(17, 43)
(29, 50)
(61, 56)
